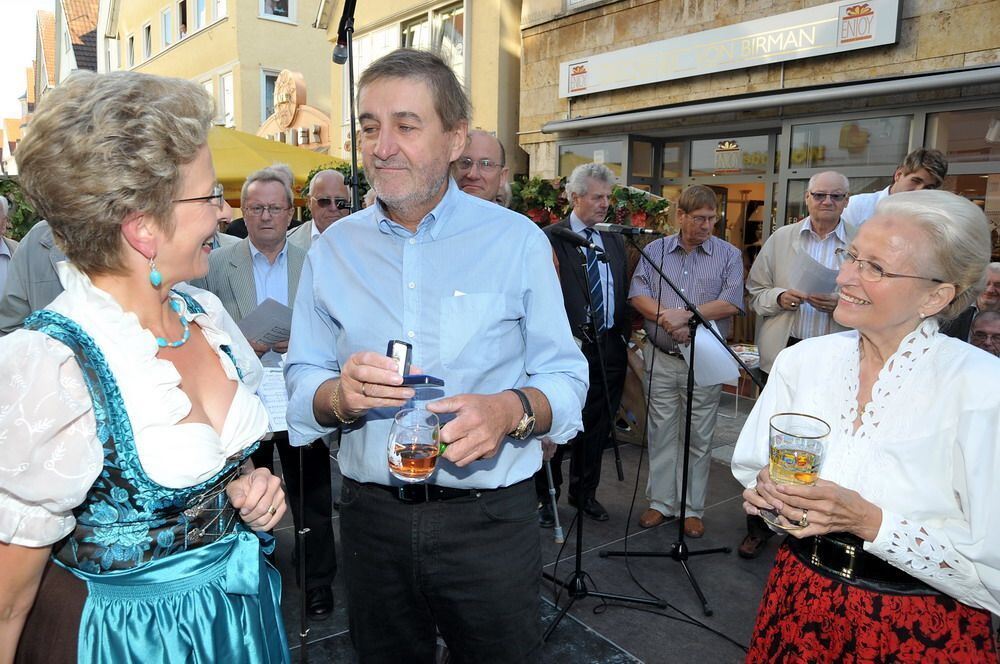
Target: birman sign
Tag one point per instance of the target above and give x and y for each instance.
(835, 27)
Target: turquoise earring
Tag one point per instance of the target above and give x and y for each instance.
(155, 277)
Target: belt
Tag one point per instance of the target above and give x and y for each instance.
(417, 493)
(671, 353)
(841, 557)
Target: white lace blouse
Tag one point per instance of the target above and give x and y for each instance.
(927, 451)
(49, 452)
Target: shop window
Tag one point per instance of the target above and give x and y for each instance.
(984, 190)
(864, 142)
(966, 136)
(609, 153)
(671, 160)
(641, 163)
(740, 155)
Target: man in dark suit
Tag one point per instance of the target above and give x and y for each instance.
(243, 275)
(604, 337)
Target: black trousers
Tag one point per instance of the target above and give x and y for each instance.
(469, 566)
(321, 557)
(596, 423)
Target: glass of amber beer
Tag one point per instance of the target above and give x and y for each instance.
(414, 444)
(796, 453)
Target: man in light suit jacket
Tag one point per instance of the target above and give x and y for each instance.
(32, 281)
(243, 275)
(7, 245)
(329, 201)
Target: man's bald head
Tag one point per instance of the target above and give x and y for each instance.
(329, 198)
(481, 171)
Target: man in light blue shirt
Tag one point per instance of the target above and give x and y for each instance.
(471, 286)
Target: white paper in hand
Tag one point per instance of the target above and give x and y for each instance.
(713, 364)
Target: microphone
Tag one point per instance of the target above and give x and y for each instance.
(624, 230)
(575, 239)
(340, 50)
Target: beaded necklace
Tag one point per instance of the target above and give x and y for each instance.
(163, 343)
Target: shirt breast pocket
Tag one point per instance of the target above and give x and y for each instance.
(468, 323)
(707, 289)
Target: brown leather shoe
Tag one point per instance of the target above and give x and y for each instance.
(693, 527)
(751, 546)
(651, 518)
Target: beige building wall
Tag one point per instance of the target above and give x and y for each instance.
(239, 43)
(492, 62)
(934, 36)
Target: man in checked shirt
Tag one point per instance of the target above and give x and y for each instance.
(709, 271)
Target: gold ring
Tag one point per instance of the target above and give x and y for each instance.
(363, 385)
(272, 510)
(804, 521)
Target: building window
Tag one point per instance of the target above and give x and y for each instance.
(268, 79)
(67, 42)
(167, 27)
(200, 14)
(147, 41)
(182, 19)
(441, 31)
(864, 142)
(220, 9)
(368, 48)
(130, 51)
(110, 54)
(282, 10)
(226, 99)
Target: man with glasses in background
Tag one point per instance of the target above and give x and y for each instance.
(267, 266)
(785, 315)
(986, 332)
(329, 201)
(481, 171)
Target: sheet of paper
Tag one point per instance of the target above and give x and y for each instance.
(269, 323)
(272, 393)
(811, 277)
(712, 362)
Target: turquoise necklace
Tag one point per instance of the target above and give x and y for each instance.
(163, 343)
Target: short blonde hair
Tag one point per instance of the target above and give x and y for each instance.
(102, 146)
(959, 234)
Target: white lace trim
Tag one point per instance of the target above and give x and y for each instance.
(911, 548)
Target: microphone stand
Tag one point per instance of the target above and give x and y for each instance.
(679, 551)
(576, 583)
(355, 183)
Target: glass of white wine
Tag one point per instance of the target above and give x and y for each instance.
(796, 449)
(414, 444)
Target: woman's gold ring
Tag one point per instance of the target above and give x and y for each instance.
(363, 386)
(804, 521)
(272, 510)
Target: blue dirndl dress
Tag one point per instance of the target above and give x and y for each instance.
(170, 575)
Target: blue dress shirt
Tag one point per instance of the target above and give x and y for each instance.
(270, 279)
(474, 292)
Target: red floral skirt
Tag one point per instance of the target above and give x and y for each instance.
(806, 617)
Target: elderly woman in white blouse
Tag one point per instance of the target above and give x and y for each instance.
(127, 530)
(894, 553)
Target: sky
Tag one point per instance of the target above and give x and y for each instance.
(17, 49)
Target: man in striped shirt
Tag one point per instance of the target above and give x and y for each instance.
(709, 272)
(785, 315)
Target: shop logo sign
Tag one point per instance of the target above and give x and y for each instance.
(578, 77)
(857, 23)
(728, 157)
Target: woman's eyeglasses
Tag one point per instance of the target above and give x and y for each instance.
(873, 272)
(216, 197)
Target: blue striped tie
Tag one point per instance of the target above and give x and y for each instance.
(594, 278)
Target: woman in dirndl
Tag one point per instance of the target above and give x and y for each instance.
(131, 528)
(893, 555)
